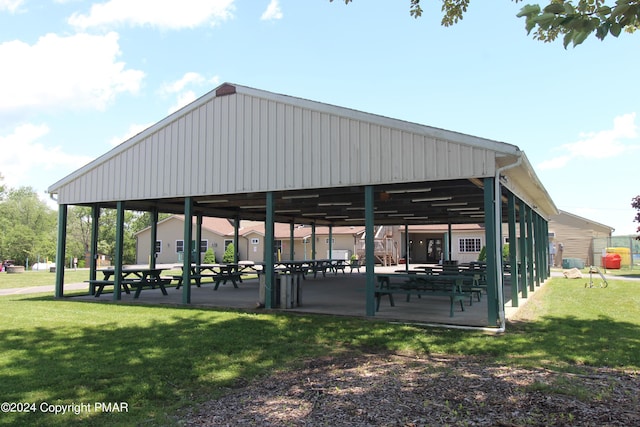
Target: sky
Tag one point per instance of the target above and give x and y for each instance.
(79, 77)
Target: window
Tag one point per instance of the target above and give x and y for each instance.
(255, 241)
(470, 244)
(158, 248)
(333, 241)
(204, 244)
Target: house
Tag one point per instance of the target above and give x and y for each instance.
(217, 233)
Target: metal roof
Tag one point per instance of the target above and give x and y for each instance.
(229, 148)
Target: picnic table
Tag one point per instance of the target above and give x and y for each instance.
(419, 284)
(218, 273)
(138, 277)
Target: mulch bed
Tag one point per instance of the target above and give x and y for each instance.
(398, 390)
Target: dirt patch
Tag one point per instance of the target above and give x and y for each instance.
(396, 390)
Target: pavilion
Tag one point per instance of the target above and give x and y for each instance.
(244, 153)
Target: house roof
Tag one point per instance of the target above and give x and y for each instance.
(233, 146)
(578, 221)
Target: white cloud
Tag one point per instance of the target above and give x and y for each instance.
(23, 158)
(183, 95)
(272, 12)
(598, 145)
(179, 85)
(166, 14)
(74, 72)
(10, 5)
(133, 130)
(184, 98)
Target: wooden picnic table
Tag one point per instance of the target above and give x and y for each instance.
(218, 273)
(418, 283)
(138, 277)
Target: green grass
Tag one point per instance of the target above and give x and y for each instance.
(161, 360)
(40, 278)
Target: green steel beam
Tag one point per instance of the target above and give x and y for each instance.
(236, 239)
(154, 237)
(313, 240)
(523, 249)
(513, 249)
(330, 241)
(269, 272)
(93, 262)
(530, 254)
(291, 241)
(60, 253)
(406, 247)
(186, 259)
(117, 276)
(370, 262)
(198, 239)
(492, 247)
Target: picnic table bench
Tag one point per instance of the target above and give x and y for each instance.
(131, 277)
(420, 284)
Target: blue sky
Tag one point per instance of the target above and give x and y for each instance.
(78, 77)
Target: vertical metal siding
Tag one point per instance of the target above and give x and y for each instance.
(241, 143)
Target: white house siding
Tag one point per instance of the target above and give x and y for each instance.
(253, 141)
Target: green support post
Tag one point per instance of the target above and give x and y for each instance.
(93, 263)
(154, 237)
(513, 252)
(523, 250)
(313, 240)
(236, 239)
(492, 247)
(117, 276)
(330, 241)
(530, 255)
(186, 262)
(369, 251)
(60, 254)
(269, 272)
(291, 241)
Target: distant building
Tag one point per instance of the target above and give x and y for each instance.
(572, 236)
(217, 233)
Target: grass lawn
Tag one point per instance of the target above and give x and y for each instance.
(40, 278)
(159, 360)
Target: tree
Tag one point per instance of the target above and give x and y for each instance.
(2, 188)
(635, 203)
(575, 20)
(209, 257)
(27, 226)
(228, 256)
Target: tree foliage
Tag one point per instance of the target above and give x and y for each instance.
(635, 203)
(573, 20)
(229, 254)
(27, 226)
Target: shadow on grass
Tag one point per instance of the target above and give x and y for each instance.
(160, 359)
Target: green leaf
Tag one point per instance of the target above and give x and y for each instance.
(620, 9)
(580, 37)
(567, 39)
(569, 9)
(556, 8)
(615, 29)
(530, 25)
(544, 20)
(604, 10)
(528, 10)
